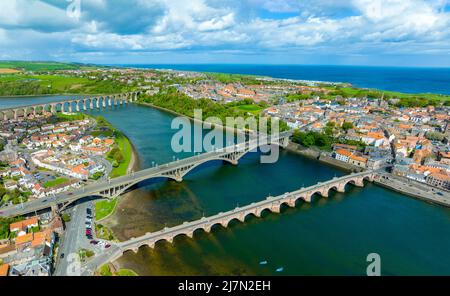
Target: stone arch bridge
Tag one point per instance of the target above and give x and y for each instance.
(71, 105)
(272, 204)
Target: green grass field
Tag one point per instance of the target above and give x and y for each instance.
(125, 146)
(38, 66)
(55, 182)
(104, 208)
(21, 84)
(251, 108)
(126, 272)
(105, 270)
(67, 117)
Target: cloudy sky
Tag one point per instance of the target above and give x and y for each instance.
(351, 32)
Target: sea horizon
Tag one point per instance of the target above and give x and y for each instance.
(389, 78)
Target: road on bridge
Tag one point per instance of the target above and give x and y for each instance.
(97, 188)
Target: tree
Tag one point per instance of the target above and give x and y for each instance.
(308, 140)
(118, 156)
(434, 136)
(347, 125)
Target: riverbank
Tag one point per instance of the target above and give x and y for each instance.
(106, 208)
(321, 157)
(195, 120)
(414, 189)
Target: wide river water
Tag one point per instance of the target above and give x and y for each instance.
(331, 236)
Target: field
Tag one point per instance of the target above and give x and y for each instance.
(70, 117)
(103, 208)
(22, 84)
(125, 146)
(8, 71)
(55, 182)
(105, 270)
(38, 66)
(251, 108)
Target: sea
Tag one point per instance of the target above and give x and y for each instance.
(401, 79)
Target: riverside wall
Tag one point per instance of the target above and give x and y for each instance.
(321, 156)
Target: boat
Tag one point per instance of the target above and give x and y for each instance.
(279, 269)
(263, 263)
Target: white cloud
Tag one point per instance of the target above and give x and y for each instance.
(358, 27)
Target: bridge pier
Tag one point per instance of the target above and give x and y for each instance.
(291, 203)
(275, 208)
(359, 183)
(341, 188)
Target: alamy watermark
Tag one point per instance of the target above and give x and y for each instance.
(374, 267)
(191, 137)
(74, 9)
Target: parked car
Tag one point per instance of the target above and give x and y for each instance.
(62, 255)
(107, 246)
(94, 242)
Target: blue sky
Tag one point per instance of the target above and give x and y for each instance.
(352, 32)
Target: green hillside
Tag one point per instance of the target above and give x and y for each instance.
(39, 66)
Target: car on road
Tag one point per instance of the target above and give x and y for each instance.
(94, 242)
(45, 200)
(439, 193)
(107, 246)
(70, 193)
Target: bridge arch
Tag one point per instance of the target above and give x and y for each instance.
(190, 169)
(120, 191)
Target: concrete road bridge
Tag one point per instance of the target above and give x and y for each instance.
(70, 105)
(272, 204)
(175, 170)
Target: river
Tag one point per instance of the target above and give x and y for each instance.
(331, 236)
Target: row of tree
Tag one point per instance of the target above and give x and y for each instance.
(178, 102)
